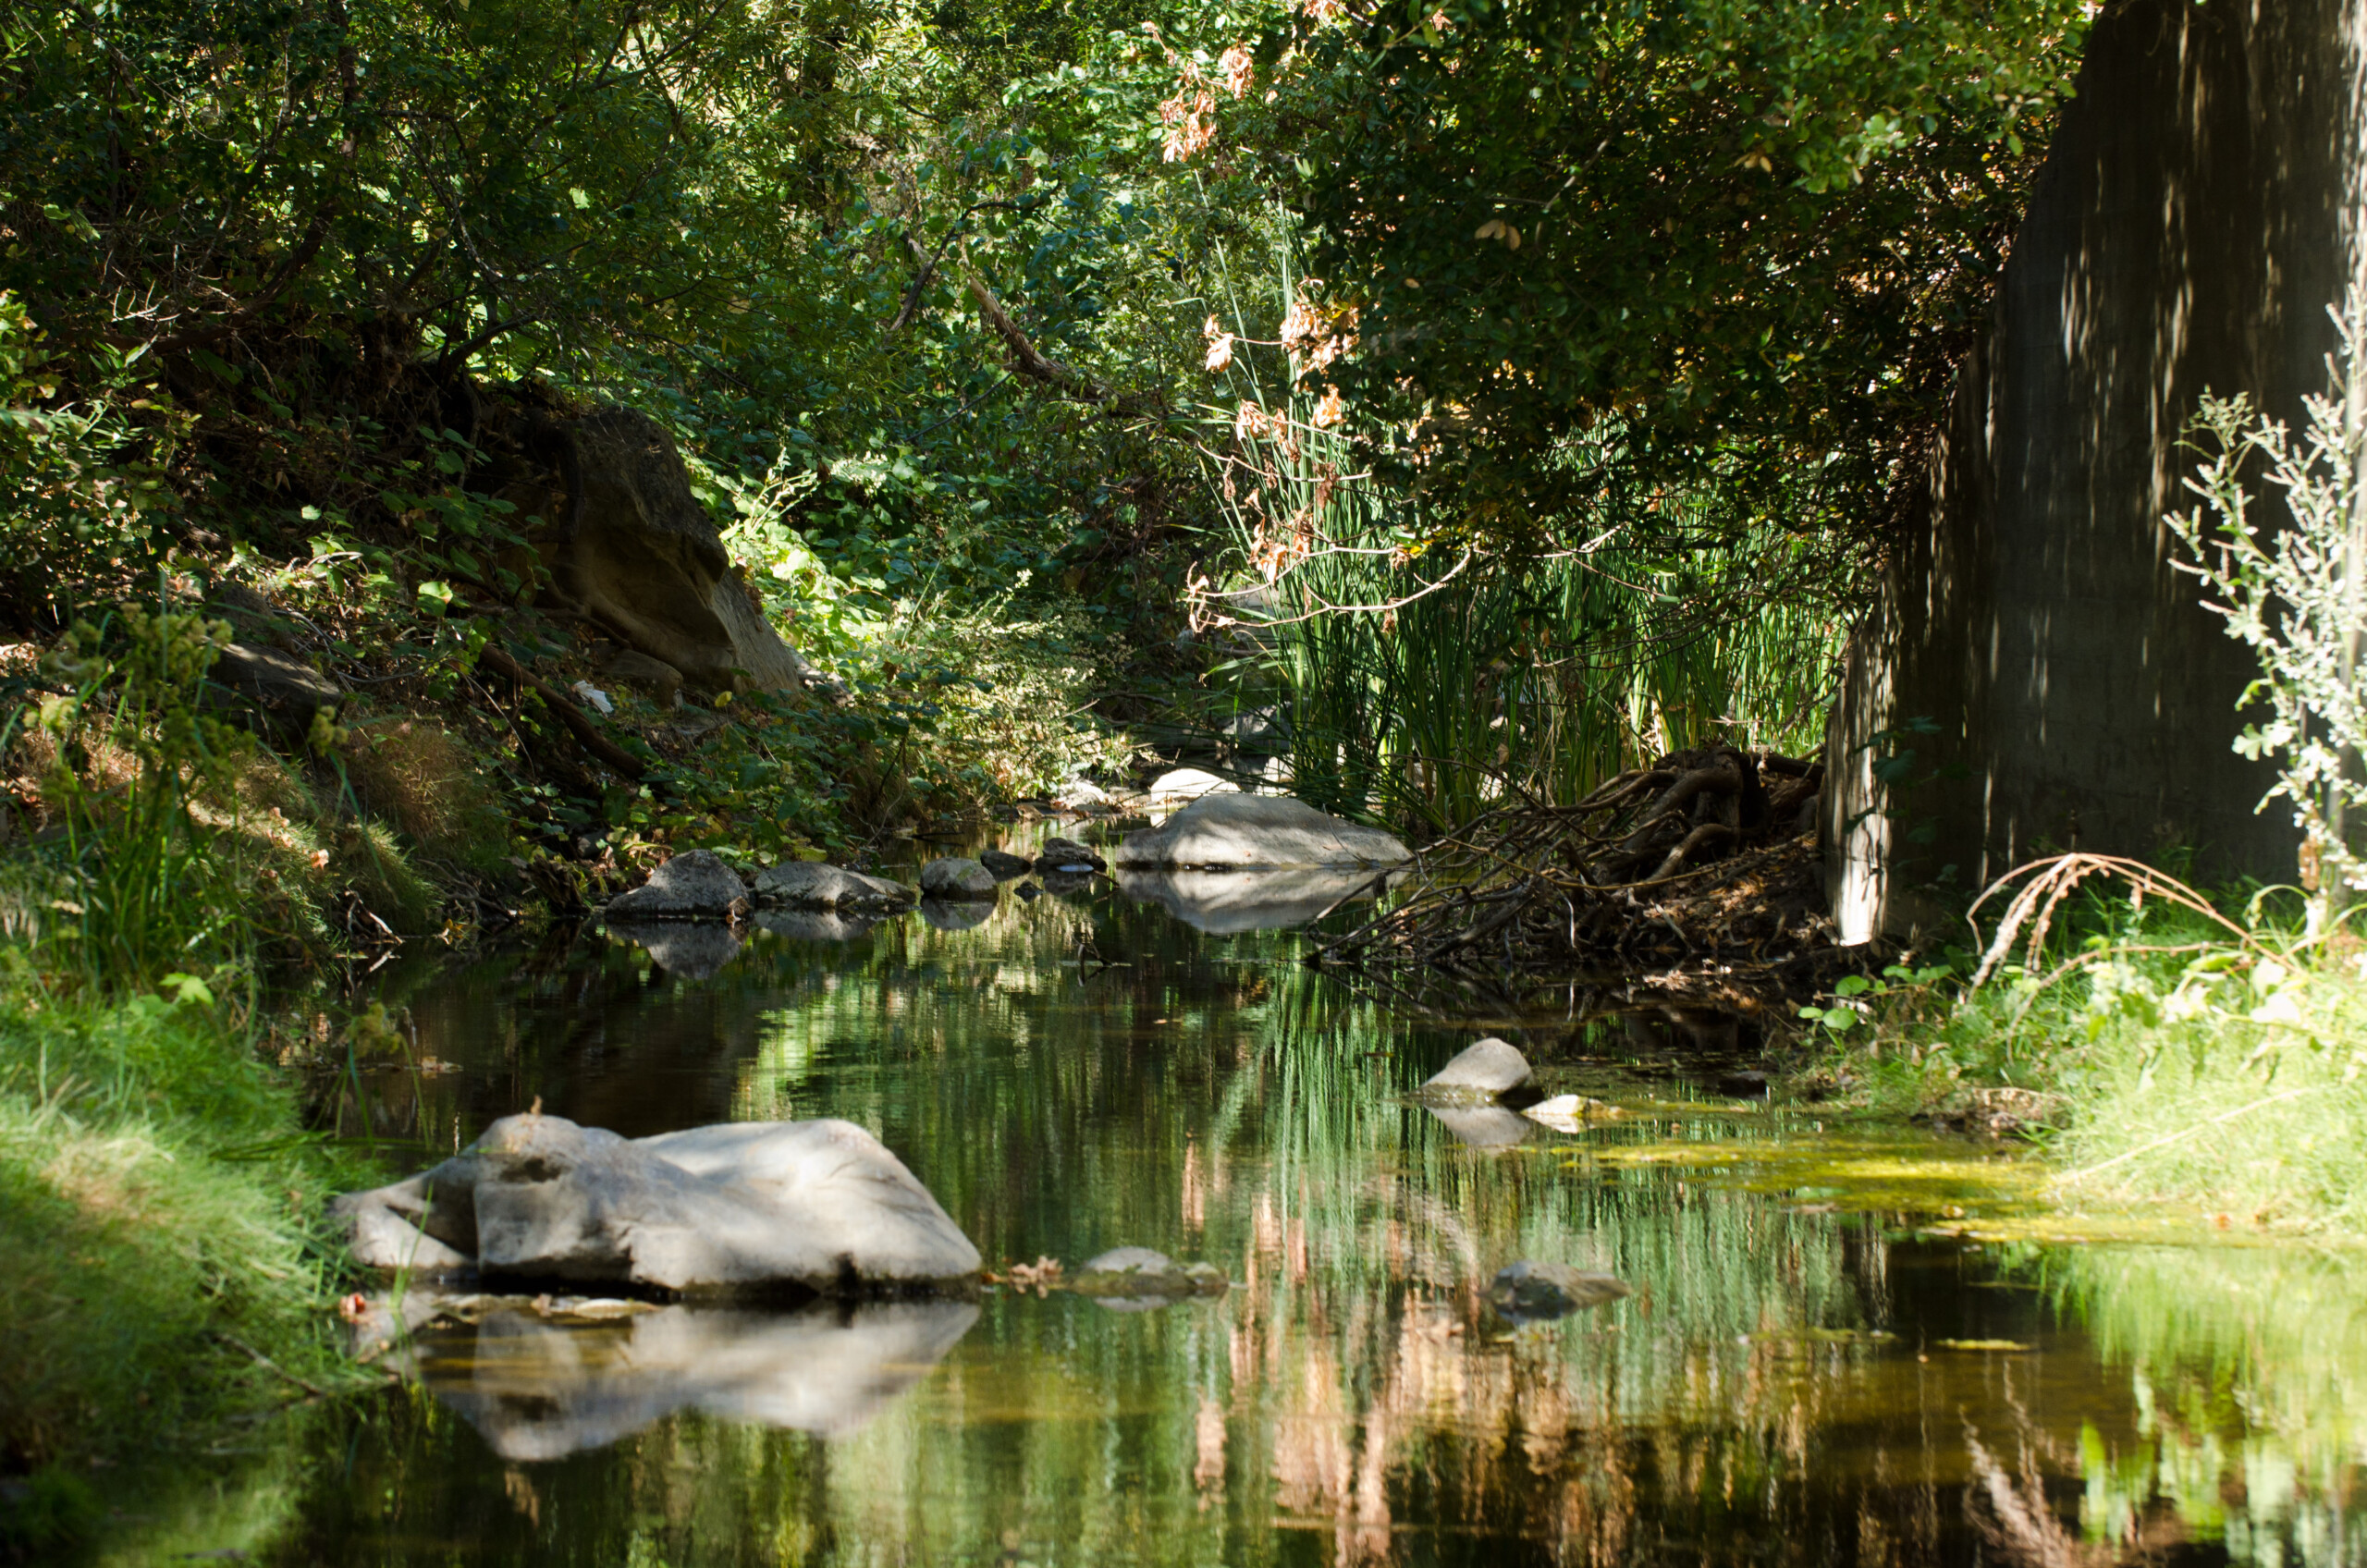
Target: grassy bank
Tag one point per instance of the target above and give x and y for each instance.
(168, 1273)
(2169, 1049)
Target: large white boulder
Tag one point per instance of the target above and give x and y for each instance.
(738, 1206)
(1239, 832)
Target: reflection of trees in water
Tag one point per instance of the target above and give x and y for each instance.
(1353, 1399)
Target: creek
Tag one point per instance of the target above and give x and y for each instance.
(1837, 1348)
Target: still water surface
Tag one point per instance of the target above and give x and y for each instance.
(1812, 1366)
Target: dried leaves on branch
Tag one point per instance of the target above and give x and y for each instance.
(1705, 855)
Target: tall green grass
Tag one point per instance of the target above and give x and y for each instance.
(1428, 673)
(159, 1205)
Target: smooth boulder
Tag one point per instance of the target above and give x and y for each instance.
(735, 1208)
(1244, 832)
(1483, 1071)
(1535, 1290)
(654, 679)
(695, 884)
(1187, 784)
(288, 691)
(813, 884)
(956, 879)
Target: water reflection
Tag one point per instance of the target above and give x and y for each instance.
(1801, 1375)
(535, 1389)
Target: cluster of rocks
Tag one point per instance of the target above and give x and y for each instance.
(1228, 861)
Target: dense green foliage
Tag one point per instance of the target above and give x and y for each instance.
(1604, 250)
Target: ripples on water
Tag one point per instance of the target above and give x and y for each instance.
(1805, 1371)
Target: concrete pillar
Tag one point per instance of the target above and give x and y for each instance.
(2190, 226)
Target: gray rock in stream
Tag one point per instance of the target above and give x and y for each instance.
(1004, 867)
(1133, 1279)
(955, 878)
(695, 884)
(1241, 832)
(1068, 855)
(1482, 1071)
(1533, 1290)
(813, 884)
(737, 1207)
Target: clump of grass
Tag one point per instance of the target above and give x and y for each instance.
(429, 783)
(2167, 1049)
(162, 1214)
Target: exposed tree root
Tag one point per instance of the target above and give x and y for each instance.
(1706, 859)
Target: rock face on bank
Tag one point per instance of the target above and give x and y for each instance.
(733, 1208)
(1242, 832)
(635, 550)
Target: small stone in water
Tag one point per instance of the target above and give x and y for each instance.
(1491, 1067)
(1531, 1290)
(1004, 866)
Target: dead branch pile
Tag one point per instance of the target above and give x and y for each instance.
(1705, 855)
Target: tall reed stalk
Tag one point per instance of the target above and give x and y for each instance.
(1427, 678)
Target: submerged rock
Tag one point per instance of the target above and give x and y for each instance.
(1534, 1290)
(1568, 1113)
(813, 884)
(964, 915)
(695, 884)
(1242, 831)
(955, 878)
(738, 1206)
(1485, 1070)
(1134, 1278)
(1002, 868)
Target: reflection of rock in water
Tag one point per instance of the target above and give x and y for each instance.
(1483, 1126)
(950, 915)
(537, 1389)
(1533, 1292)
(1227, 902)
(817, 924)
(690, 950)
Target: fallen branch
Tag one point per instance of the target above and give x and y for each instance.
(579, 724)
